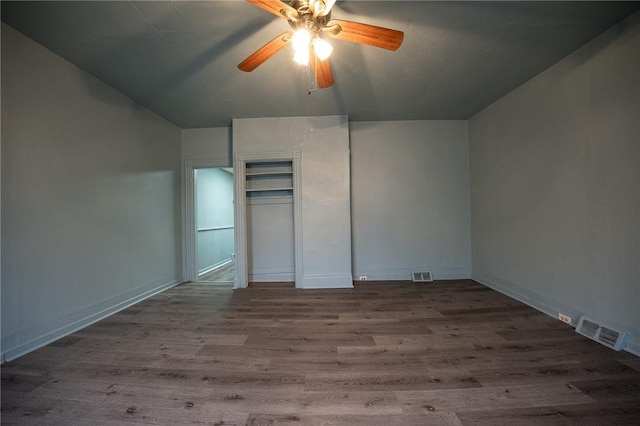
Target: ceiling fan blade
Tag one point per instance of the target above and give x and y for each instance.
(276, 7)
(322, 70)
(265, 52)
(372, 35)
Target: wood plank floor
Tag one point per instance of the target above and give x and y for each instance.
(442, 353)
(222, 274)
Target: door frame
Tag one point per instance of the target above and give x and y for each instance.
(240, 204)
(190, 262)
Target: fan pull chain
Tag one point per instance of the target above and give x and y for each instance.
(312, 84)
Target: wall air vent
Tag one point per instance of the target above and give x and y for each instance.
(614, 339)
(421, 276)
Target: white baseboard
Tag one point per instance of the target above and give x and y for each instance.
(215, 266)
(404, 274)
(113, 306)
(272, 277)
(634, 349)
(327, 281)
(539, 303)
(518, 294)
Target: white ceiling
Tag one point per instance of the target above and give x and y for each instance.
(179, 58)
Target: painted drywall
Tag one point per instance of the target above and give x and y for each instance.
(555, 172)
(270, 239)
(214, 218)
(410, 199)
(211, 146)
(90, 198)
(324, 191)
(420, 165)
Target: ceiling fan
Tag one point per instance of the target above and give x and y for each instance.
(311, 21)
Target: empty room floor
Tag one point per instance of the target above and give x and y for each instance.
(223, 274)
(396, 353)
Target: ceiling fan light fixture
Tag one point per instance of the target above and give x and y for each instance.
(301, 57)
(300, 41)
(322, 48)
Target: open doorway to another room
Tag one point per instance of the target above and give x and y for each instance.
(214, 225)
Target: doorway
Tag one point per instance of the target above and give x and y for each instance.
(213, 225)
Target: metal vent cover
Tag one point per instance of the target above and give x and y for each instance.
(614, 339)
(421, 276)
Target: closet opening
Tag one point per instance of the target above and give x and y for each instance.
(269, 208)
(267, 218)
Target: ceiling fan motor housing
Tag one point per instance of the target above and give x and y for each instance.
(306, 19)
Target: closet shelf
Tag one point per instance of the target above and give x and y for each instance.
(262, 174)
(268, 179)
(288, 188)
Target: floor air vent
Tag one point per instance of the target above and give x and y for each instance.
(421, 276)
(609, 337)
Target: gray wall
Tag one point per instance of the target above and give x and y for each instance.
(409, 195)
(325, 226)
(555, 172)
(211, 145)
(410, 199)
(269, 248)
(90, 198)
(214, 217)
